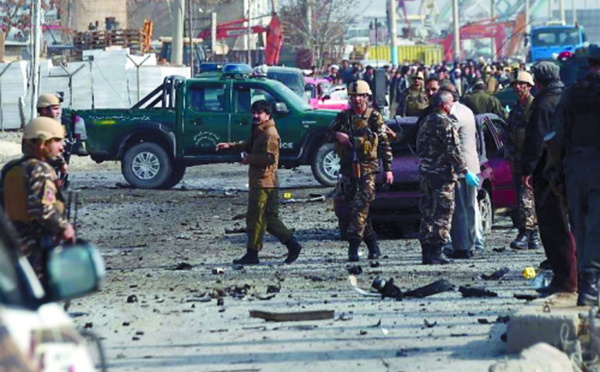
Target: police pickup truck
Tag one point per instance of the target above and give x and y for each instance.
(179, 124)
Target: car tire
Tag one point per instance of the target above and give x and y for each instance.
(486, 211)
(146, 166)
(176, 175)
(326, 165)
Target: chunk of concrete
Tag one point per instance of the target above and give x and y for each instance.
(542, 320)
(540, 357)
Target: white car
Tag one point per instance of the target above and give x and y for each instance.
(35, 333)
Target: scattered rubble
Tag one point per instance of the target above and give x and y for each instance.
(476, 292)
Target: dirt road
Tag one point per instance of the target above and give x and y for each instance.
(162, 308)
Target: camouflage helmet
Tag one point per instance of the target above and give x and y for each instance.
(43, 128)
(359, 87)
(47, 100)
(524, 77)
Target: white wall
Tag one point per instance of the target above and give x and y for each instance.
(111, 78)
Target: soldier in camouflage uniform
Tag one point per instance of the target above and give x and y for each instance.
(441, 160)
(49, 105)
(32, 198)
(360, 139)
(413, 100)
(517, 120)
(481, 102)
(262, 156)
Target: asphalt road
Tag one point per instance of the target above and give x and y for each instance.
(161, 247)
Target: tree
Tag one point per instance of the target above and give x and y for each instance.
(317, 25)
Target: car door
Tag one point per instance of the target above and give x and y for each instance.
(244, 95)
(502, 180)
(207, 118)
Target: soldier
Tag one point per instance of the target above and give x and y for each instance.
(577, 144)
(49, 105)
(360, 138)
(32, 199)
(413, 100)
(261, 152)
(441, 159)
(519, 115)
(553, 227)
(481, 102)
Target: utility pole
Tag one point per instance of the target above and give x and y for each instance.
(550, 9)
(393, 32)
(248, 31)
(191, 36)
(456, 27)
(177, 37)
(213, 35)
(574, 6)
(493, 40)
(35, 52)
(309, 27)
(275, 6)
(561, 10)
(527, 16)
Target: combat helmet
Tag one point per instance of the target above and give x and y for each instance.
(524, 77)
(47, 100)
(43, 128)
(359, 87)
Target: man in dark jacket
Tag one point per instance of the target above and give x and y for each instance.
(481, 102)
(551, 223)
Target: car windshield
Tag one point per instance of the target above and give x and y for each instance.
(283, 91)
(294, 81)
(555, 37)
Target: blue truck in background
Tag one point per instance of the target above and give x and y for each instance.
(548, 42)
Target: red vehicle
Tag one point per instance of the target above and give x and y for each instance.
(397, 205)
(323, 95)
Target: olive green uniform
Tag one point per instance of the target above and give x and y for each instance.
(263, 195)
(481, 102)
(412, 102)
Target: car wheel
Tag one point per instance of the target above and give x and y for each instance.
(326, 165)
(176, 175)
(486, 212)
(146, 166)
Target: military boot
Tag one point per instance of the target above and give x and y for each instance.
(522, 240)
(373, 247)
(534, 240)
(250, 258)
(435, 256)
(353, 250)
(294, 249)
(588, 288)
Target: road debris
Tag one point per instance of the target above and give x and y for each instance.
(526, 296)
(320, 198)
(476, 292)
(496, 275)
(374, 264)
(132, 299)
(239, 230)
(387, 288)
(344, 317)
(218, 271)
(428, 324)
(183, 266)
(439, 286)
(354, 269)
(292, 316)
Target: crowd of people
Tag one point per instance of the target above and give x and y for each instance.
(553, 146)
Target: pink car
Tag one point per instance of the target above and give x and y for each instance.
(325, 96)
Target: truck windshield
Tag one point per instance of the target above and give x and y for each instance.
(555, 37)
(283, 91)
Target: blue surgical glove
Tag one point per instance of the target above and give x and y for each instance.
(472, 179)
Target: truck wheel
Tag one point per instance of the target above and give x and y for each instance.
(146, 166)
(176, 175)
(326, 165)
(486, 211)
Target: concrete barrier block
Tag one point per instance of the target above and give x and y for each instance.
(540, 357)
(542, 320)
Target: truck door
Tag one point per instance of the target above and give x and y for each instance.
(244, 95)
(206, 121)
